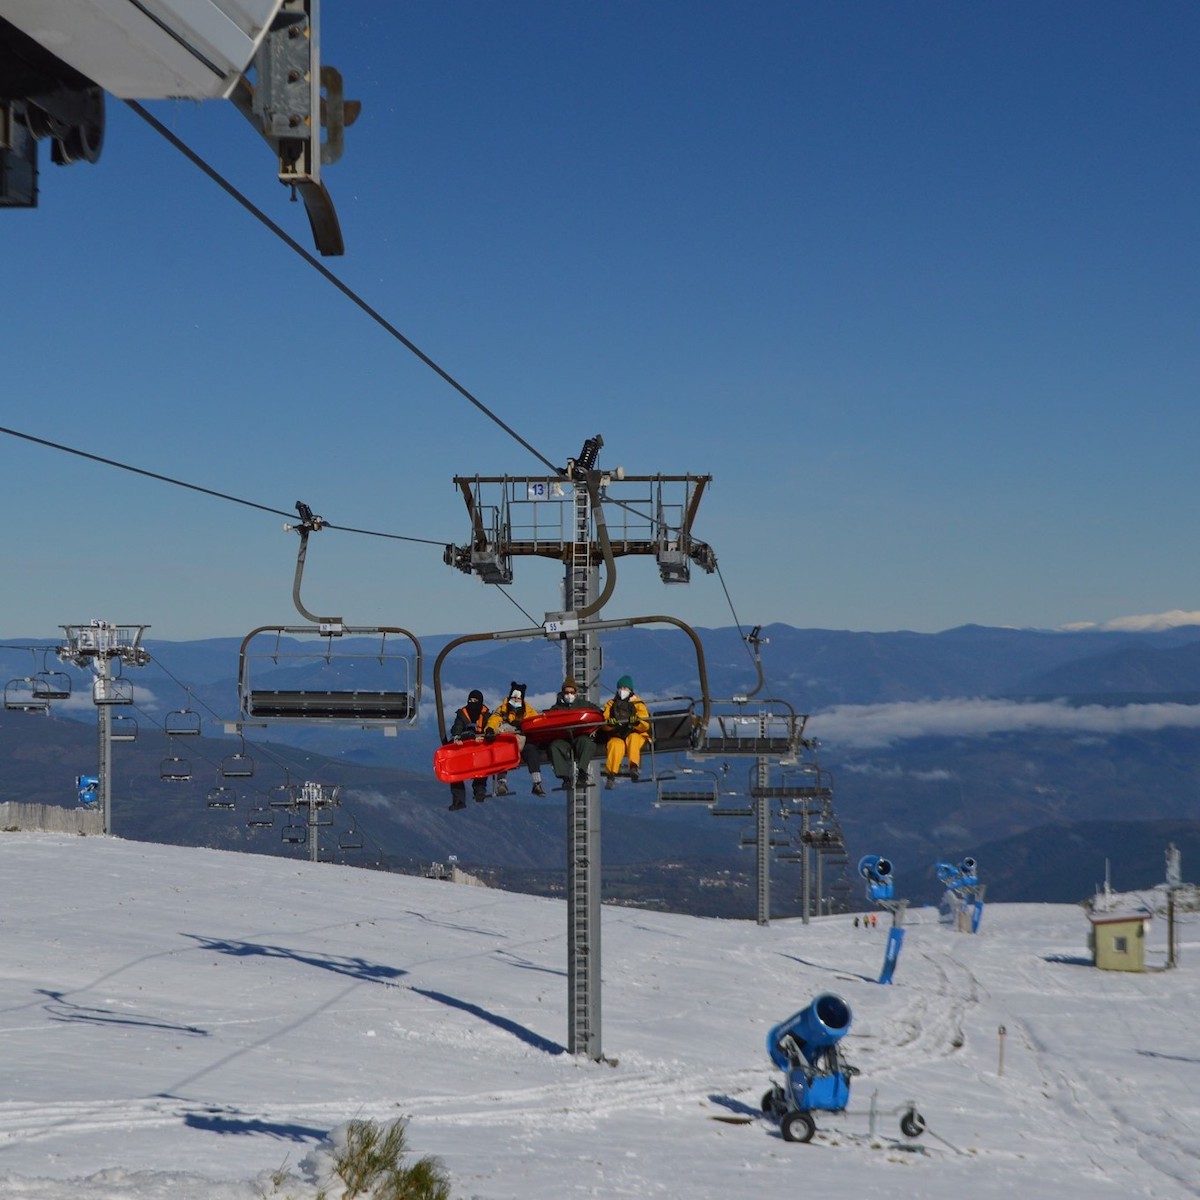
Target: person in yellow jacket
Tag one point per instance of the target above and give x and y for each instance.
(507, 717)
(627, 724)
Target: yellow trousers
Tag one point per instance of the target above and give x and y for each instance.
(617, 748)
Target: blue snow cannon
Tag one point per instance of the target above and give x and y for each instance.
(878, 874)
(817, 1077)
(949, 875)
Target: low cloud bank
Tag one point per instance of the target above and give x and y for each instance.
(875, 726)
(1149, 623)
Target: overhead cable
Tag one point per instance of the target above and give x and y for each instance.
(346, 291)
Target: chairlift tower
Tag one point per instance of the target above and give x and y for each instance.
(319, 799)
(97, 646)
(563, 517)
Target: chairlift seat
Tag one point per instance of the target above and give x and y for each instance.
(54, 685)
(183, 722)
(329, 705)
(237, 766)
(759, 747)
(690, 796)
(112, 691)
(561, 722)
(175, 770)
(26, 695)
(457, 762)
(123, 729)
(283, 795)
(672, 729)
(222, 797)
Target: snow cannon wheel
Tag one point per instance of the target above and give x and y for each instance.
(798, 1127)
(912, 1124)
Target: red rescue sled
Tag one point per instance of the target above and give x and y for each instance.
(561, 722)
(456, 762)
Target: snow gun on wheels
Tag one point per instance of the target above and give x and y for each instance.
(817, 1077)
(806, 1047)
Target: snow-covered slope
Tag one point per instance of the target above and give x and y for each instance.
(183, 1023)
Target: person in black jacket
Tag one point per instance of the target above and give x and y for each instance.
(469, 722)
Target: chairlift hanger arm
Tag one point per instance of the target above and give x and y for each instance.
(309, 523)
(755, 641)
(592, 483)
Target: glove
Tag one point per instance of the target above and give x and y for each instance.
(621, 728)
(458, 741)
(489, 735)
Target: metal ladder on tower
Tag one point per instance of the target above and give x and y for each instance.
(583, 896)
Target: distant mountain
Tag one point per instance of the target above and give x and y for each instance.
(1065, 863)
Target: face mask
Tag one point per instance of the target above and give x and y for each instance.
(568, 695)
(622, 693)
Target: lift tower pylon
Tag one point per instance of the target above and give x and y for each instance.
(562, 518)
(97, 646)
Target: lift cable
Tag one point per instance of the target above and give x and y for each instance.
(112, 462)
(348, 292)
(195, 487)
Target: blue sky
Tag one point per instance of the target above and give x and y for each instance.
(917, 284)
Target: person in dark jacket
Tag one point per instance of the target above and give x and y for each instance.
(508, 717)
(575, 748)
(469, 722)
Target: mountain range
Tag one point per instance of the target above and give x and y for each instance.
(1040, 753)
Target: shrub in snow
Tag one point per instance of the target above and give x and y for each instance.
(362, 1159)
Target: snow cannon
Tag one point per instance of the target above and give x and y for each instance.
(948, 875)
(878, 874)
(810, 1032)
(805, 1047)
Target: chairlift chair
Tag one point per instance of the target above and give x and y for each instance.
(311, 683)
(295, 833)
(261, 818)
(351, 839)
(112, 690)
(221, 797)
(305, 680)
(742, 726)
(238, 765)
(699, 787)
(26, 695)
(182, 722)
(174, 768)
(123, 728)
(56, 685)
(282, 795)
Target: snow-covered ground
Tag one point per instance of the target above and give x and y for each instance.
(184, 1023)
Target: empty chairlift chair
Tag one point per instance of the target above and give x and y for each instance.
(26, 694)
(238, 765)
(363, 676)
(175, 768)
(182, 722)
